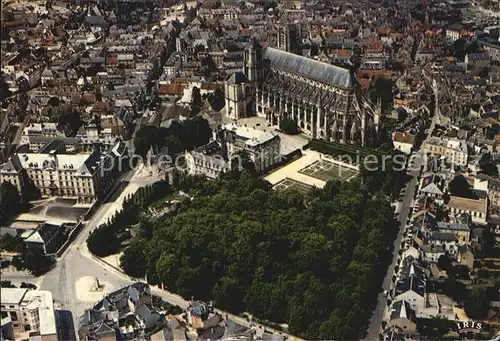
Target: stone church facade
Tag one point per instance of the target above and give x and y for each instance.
(324, 99)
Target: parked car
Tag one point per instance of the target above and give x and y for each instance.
(28, 285)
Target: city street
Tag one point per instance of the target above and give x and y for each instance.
(379, 312)
(406, 204)
(75, 262)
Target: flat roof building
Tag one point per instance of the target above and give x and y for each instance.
(30, 311)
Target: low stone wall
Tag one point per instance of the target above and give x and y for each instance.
(339, 162)
(71, 237)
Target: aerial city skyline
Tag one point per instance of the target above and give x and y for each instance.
(250, 170)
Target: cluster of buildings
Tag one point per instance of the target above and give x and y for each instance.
(79, 79)
(224, 152)
(134, 313)
(445, 225)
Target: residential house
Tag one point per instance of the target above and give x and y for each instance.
(446, 240)
(491, 186)
(455, 32)
(45, 237)
(477, 208)
(431, 252)
(465, 257)
(6, 328)
(123, 314)
(40, 130)
(412, 290)
(477, 60)
(403, 317)
(454, 151)
(433, 186)
(403, 141)
(461, 230)
(412, 252)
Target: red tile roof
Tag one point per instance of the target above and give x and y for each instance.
(343, 53)
(171, 89)
(112, 60)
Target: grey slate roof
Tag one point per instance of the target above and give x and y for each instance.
(453, 226)
(410, 283)
(402, 309)
(310, 68)
(237, 78)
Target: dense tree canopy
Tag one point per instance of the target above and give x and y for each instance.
(7, 284)
(477, 304)
(313, 264)
(289, 126)
(460, 187)
(196, 102)
(33, 260)
(177, 138)
(488, 165)
(444, 262)
(11, 243)
(69, 121)
(104, 240)
(10, 201)
(454, 289)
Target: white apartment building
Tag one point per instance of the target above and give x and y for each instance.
(403, 141)
(84, 176)
(30, 311)
(454, 151)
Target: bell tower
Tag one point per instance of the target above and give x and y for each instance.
(253, 61)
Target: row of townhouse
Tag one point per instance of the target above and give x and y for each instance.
(454, 151)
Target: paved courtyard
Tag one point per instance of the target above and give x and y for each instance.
(289, 143)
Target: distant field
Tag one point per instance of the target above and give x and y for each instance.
(327, 171)
(290, 184)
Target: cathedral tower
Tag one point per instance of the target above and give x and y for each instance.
(238, 93)
(253, 61)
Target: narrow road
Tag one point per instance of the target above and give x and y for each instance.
(378, 314)
(72, 265)
(417, 159)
